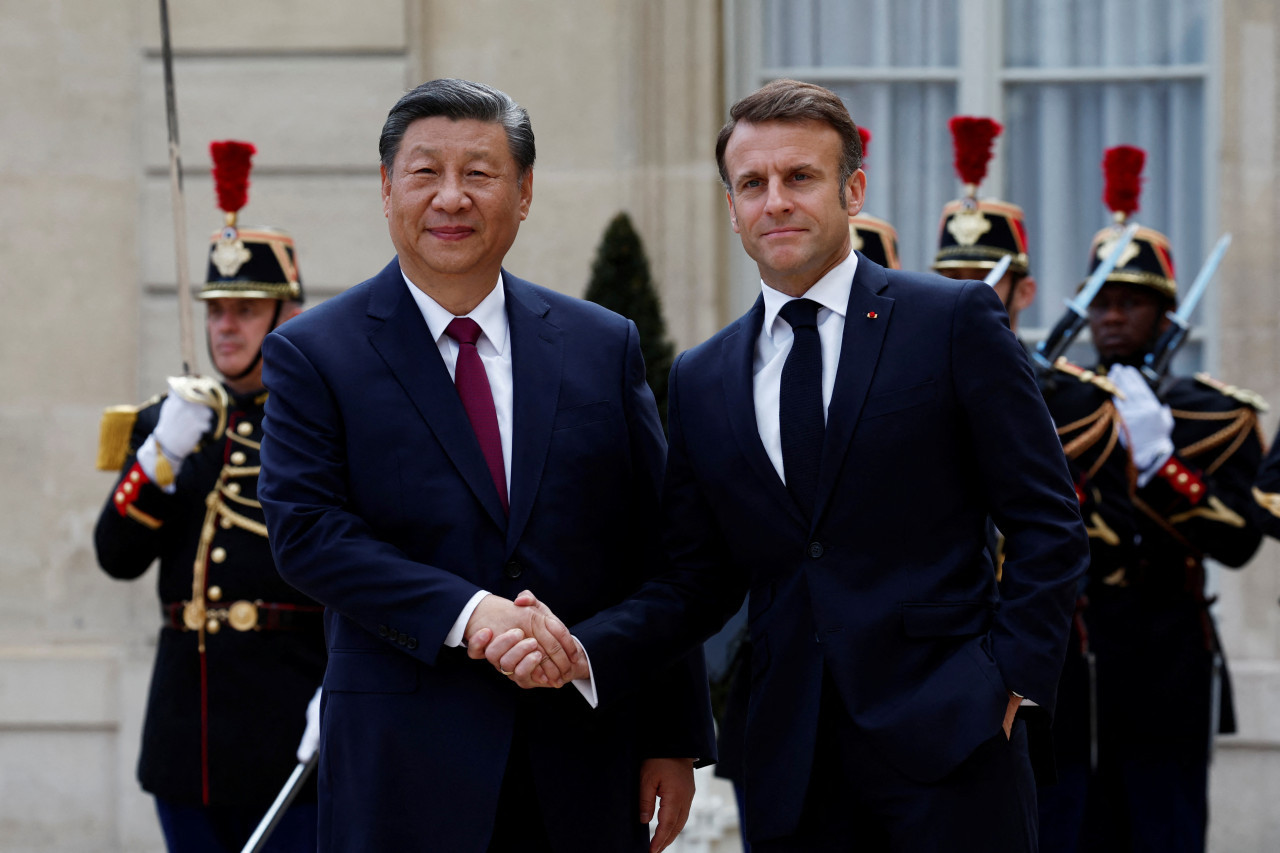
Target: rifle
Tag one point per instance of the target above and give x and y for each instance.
(1073, 321)
(1155, 365)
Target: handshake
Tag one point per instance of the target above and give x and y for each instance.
(525, 642)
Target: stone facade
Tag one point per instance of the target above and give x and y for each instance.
(625, 99)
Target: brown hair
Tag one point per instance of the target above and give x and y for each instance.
(793, 100)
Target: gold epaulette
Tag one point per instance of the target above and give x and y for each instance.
(1243, 395)
(114, 432)
(1086, 375)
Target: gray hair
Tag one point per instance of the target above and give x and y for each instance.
(459, 100)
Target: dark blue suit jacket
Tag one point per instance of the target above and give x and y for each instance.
(935, 424)
(380, 506)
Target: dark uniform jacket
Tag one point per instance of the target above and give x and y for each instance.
(222, 727)
(1080, 402)
(1266, 492)
(1149, 623)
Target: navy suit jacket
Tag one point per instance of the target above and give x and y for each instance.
(935, 423)
(381, 507)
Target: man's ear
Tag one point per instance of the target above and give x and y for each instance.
(386, 191)
(733, 214)
(1026, 293)
(855, 192)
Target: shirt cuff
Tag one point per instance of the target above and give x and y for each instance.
(455, 635)
(587, 686)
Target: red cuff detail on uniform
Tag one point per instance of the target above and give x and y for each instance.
(1080, 496)
(128, 488)
(1182, 479)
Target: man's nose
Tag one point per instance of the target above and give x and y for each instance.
(777, 199)
(451, 196)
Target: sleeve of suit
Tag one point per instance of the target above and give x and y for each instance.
(676, 702)
(1266, 492)
(697, 593)
(1023, 474)
(320, 547)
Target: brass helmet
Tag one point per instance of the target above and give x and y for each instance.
(246, 263)
(1148, 261)
(873, 237)
(979, 232)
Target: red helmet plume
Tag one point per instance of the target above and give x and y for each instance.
(973, 138)
(1122, 170)
(231, 173)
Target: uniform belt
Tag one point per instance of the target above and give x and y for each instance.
(242, 616)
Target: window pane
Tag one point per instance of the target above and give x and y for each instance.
(908, 164)
(1052, 159)
(1106, 33)
(868, 34)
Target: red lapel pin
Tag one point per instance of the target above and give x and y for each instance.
(871, 315)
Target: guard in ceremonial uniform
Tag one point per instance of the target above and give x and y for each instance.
(240, 652)
(1195, 445)
(1266, 492)
(973, 237)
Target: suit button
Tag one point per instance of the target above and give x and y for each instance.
(815, 550)
(412, 644)
(402, 639)
(512, 570)
(383, 631)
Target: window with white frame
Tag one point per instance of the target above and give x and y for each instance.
(1066, 79)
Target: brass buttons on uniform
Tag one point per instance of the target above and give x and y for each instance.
(215, 593)
(233, 488)
(225, 523)
(213, 626)
(244, 428)
(243, 615)
(238, 458)
(218, 555)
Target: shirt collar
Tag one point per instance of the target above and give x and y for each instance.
(830, 292)
(490, 315)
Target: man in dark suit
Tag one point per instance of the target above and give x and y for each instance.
(437, 439)
(837, 452)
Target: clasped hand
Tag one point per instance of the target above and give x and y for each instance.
(525, 641)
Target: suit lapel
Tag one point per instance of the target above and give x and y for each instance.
(866, 322)
(738, 357)
(401, 337)
(537, 361)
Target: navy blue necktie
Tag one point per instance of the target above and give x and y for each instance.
(800, 417)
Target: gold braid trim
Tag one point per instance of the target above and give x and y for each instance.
(1239, 419)
(241, 521)
(1102, 421)
(240, 439)
(1214, 510)
(143, 518)
(1101, 530)
(1270, 501)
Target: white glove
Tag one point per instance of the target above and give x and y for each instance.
(178, 431)
(311, 737)
(1148, 431)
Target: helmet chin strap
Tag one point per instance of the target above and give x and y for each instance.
(257, 357)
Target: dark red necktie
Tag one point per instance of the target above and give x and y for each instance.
(477, 398)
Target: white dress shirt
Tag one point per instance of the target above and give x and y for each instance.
(494, 348)
(774, 345)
